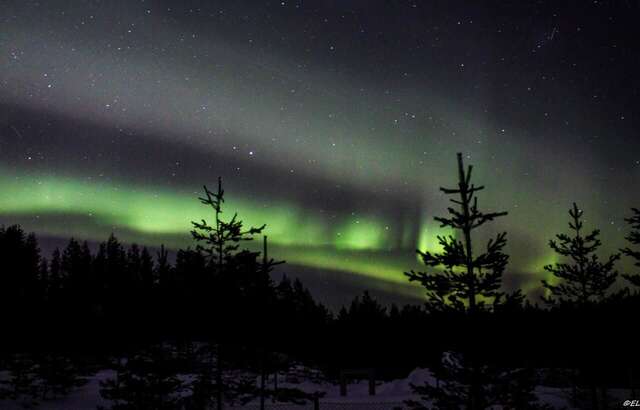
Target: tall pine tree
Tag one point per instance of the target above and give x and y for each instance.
(584, 279)
(464, 280)
(466, 277)
(220, 243)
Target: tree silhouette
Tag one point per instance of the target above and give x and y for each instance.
(55, 278)
(19, 275)
(465, 277)
(585, 279)
(162, 269)
(584, 282)
(112, 289)
(365, 311)
(220, 243)
(463, 282)
(146, 270)
(634, 239)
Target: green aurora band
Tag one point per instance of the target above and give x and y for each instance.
(155, 216)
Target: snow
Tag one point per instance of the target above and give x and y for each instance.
(389, 395)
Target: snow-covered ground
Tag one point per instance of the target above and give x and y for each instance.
(389, 395)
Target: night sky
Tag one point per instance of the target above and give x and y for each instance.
(333, 122)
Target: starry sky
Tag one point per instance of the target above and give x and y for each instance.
(333, 122)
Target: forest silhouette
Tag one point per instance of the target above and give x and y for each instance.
(223, 315)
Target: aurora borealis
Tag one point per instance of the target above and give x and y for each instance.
(334, 123)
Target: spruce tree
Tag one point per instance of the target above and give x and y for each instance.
(111, 263)
(584, 282)
(19, 275)
(162, 269)
(134, 262)
(55, 279)
(466, 280)
(464, 277)
(220, 243)
(146, 270)
(54, 285)
(634, 239)
(584, 278)
(366, 312)
(43, 280)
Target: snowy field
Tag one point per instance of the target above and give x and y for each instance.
(389, 396)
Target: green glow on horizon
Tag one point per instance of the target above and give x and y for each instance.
(389, 271)
(152, 216)
(537, 271)
(146, 213)
(147, 210)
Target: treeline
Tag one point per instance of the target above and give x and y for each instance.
(126, 288)
(185, 335)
